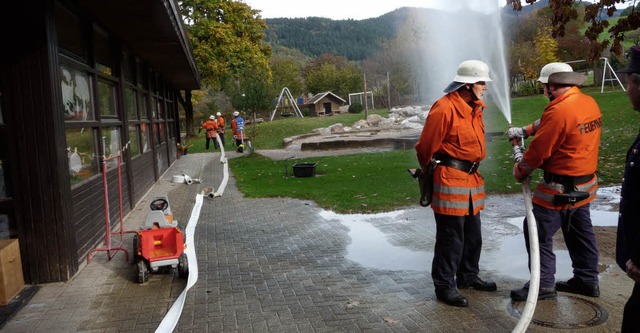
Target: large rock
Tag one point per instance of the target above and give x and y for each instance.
(336, 128)
(374, 119)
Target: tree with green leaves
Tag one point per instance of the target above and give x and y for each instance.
(330, 72)
(226, 39)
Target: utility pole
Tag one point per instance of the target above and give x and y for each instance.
(388, 92)
(366, 107)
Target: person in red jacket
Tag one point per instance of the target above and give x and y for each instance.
(210, 126)
(453, 138)
(565, 146)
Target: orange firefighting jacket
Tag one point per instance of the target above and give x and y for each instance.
(220, 121)
(566, 143)
(456, 129)
(210, 126)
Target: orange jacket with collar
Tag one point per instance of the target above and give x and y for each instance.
(566, 143)
(220, 122)
(210, 126)
(456, 129)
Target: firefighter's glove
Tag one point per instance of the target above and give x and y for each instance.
(518, 151)
(519, 173)
(517, 133)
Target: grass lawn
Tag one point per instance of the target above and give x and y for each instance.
(375, 182)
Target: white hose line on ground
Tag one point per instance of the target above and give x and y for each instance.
(534, 282)
(225, 170)
(170, 320)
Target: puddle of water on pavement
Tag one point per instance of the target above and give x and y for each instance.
(370, 246)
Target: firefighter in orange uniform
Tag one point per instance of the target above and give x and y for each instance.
(210, 126)
(220, 123)
(453, 137)
(565, 147)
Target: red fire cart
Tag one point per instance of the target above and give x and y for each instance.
(160, 243)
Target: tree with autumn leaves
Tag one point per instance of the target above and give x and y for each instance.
(563, 11)
(226, 39)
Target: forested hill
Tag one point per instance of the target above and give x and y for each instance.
(358, 39)
(353, 39)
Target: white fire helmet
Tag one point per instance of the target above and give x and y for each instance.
(236, 113)
(551, 68)
(218, 114)
(469, 71)
(212, 117)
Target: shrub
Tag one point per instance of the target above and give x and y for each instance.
(355, 108)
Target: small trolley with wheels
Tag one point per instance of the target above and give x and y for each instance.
(160, 242)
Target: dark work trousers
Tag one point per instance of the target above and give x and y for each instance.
(578, 236)
(457, 250)
(631, 317)
(221, 135)
(209, 139)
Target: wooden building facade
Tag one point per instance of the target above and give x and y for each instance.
(81, 80)
(325, 103)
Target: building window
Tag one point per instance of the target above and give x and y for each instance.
(102, 52)
(130, 103)
(134, 145)
(144, 137)
(76, 94)
(69, 32)
(83, 163)
(106, 99)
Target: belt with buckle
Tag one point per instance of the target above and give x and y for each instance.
(560, 179)
(466, 166)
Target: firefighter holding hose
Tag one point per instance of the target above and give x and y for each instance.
(565, 147)
(453, 139)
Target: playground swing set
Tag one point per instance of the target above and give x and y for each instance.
(287, 105)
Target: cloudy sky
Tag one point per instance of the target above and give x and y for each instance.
(343, 9)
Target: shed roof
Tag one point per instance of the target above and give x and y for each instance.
(154, 30)
(317, 97)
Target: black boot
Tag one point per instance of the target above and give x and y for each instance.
(576, 286)
(543, 293)
(476, 283)
(451, 297)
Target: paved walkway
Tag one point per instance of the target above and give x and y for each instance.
(285, 265)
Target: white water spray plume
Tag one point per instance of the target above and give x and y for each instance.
(468, 29)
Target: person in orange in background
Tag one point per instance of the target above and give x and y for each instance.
(565, 147)
(453, 137)
(237, 126)
(210, 126)
(220, 122)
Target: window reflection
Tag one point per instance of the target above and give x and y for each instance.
(130, 103)
(81, 154)
(134, 146)
(144, 137)
(76, 94)
(106, 98)
(111, 144)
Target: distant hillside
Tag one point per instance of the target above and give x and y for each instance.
(357, 39)
(353, 39)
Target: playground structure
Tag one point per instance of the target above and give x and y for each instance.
(358, 98)
(611, 77)
(286, 102)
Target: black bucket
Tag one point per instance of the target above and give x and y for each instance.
(304, 169)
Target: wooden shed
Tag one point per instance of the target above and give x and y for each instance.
(82, 80)
(325, 103)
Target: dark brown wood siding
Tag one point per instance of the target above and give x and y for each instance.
(31, 101)
(143, 177)
(89, 218)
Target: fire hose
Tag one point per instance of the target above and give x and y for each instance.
(534, 250)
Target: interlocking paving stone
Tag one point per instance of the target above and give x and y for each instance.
(275, 265)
